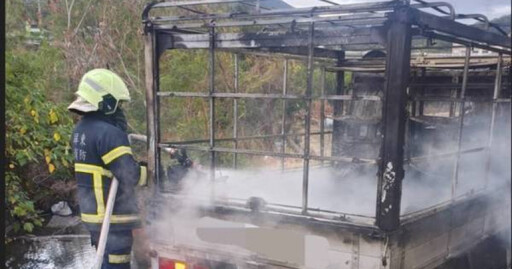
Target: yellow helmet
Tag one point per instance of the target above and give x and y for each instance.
(100, 90)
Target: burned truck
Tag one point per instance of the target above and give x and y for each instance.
(393, 151)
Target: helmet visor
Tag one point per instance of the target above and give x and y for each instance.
(80, 104)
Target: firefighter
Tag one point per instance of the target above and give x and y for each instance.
(102, 151)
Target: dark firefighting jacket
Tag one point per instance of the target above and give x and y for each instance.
(102, 150)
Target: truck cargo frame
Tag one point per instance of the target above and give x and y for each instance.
(321, 37)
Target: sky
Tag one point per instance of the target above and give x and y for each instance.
(490, 8)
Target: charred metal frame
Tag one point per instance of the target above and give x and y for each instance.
(235, 115)
(283, 120)
(455, 177)
(391, 170)
(316, 34)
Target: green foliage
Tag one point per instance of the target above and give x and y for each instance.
(14, 22)
(37, 133)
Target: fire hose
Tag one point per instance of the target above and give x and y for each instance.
(105, 226)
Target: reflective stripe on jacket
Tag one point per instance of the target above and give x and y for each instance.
(101, 150)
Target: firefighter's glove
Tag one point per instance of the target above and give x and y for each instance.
(183, 159)
(143, 178)
(188, 163)
(172, 152)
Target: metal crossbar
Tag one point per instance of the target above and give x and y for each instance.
(268, 96)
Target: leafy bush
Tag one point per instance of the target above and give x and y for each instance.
(37, 135)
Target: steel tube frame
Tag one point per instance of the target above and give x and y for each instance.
(295, 53)
(258, 14)
(235, 114)
(268, 153)
(243, 138)
(310, 12)
(417, 17)
(283, 120)
(193, 3)
(476, 17)
(151, 63)
(322, 113)
(268, 96)
(337, 126)
(212, 107)
(362, 35)
(429, 21)
(496, 94)
(353, 39)
(453, 85)
(331, 21)
(362, 38)
(444, 154)
(459, 100)
(421, 104)
(358, 69)
(309, 89)
(473, 43)
(453, 94)
(437, 5)
(455, 176)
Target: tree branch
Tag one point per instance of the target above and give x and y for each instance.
(83, 17)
